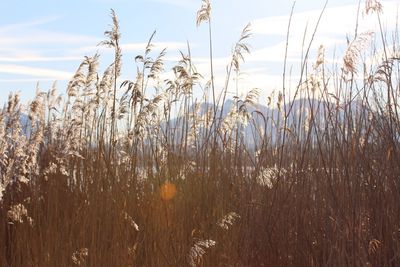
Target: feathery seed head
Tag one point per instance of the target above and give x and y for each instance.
(198, 250)
(204, 12)
(350, 59)
(372, 6)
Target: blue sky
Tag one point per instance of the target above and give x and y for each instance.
(45, 40)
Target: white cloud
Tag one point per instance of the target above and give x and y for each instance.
(35, 36)
(276, 53)
(156, 45)
(134, 47)
(335, 21)
(28, 32)
(35, 80)
(27, 24)
(37, 58)
(26, 41)
(48, 74)
(337, 24)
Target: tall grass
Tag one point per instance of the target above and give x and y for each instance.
(111, 176)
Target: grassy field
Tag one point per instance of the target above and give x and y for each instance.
(111, 175)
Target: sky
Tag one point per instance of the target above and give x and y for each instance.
(44, 41)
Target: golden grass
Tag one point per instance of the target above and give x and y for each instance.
(109, 176)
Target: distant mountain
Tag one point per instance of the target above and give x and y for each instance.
(270, 121)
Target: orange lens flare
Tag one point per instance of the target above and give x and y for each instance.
(167, 191)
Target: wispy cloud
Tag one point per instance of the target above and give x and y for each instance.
(157, 45)
(28, 42)
(33, 80)
(335, 21)
(38, 58)
(276, 53)
(27, 24)
(36, 36)
(337, 24)
(49, 74)
(134, 47)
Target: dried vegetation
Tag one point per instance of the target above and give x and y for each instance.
(111, 175)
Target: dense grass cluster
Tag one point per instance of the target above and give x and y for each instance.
(143, 173)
